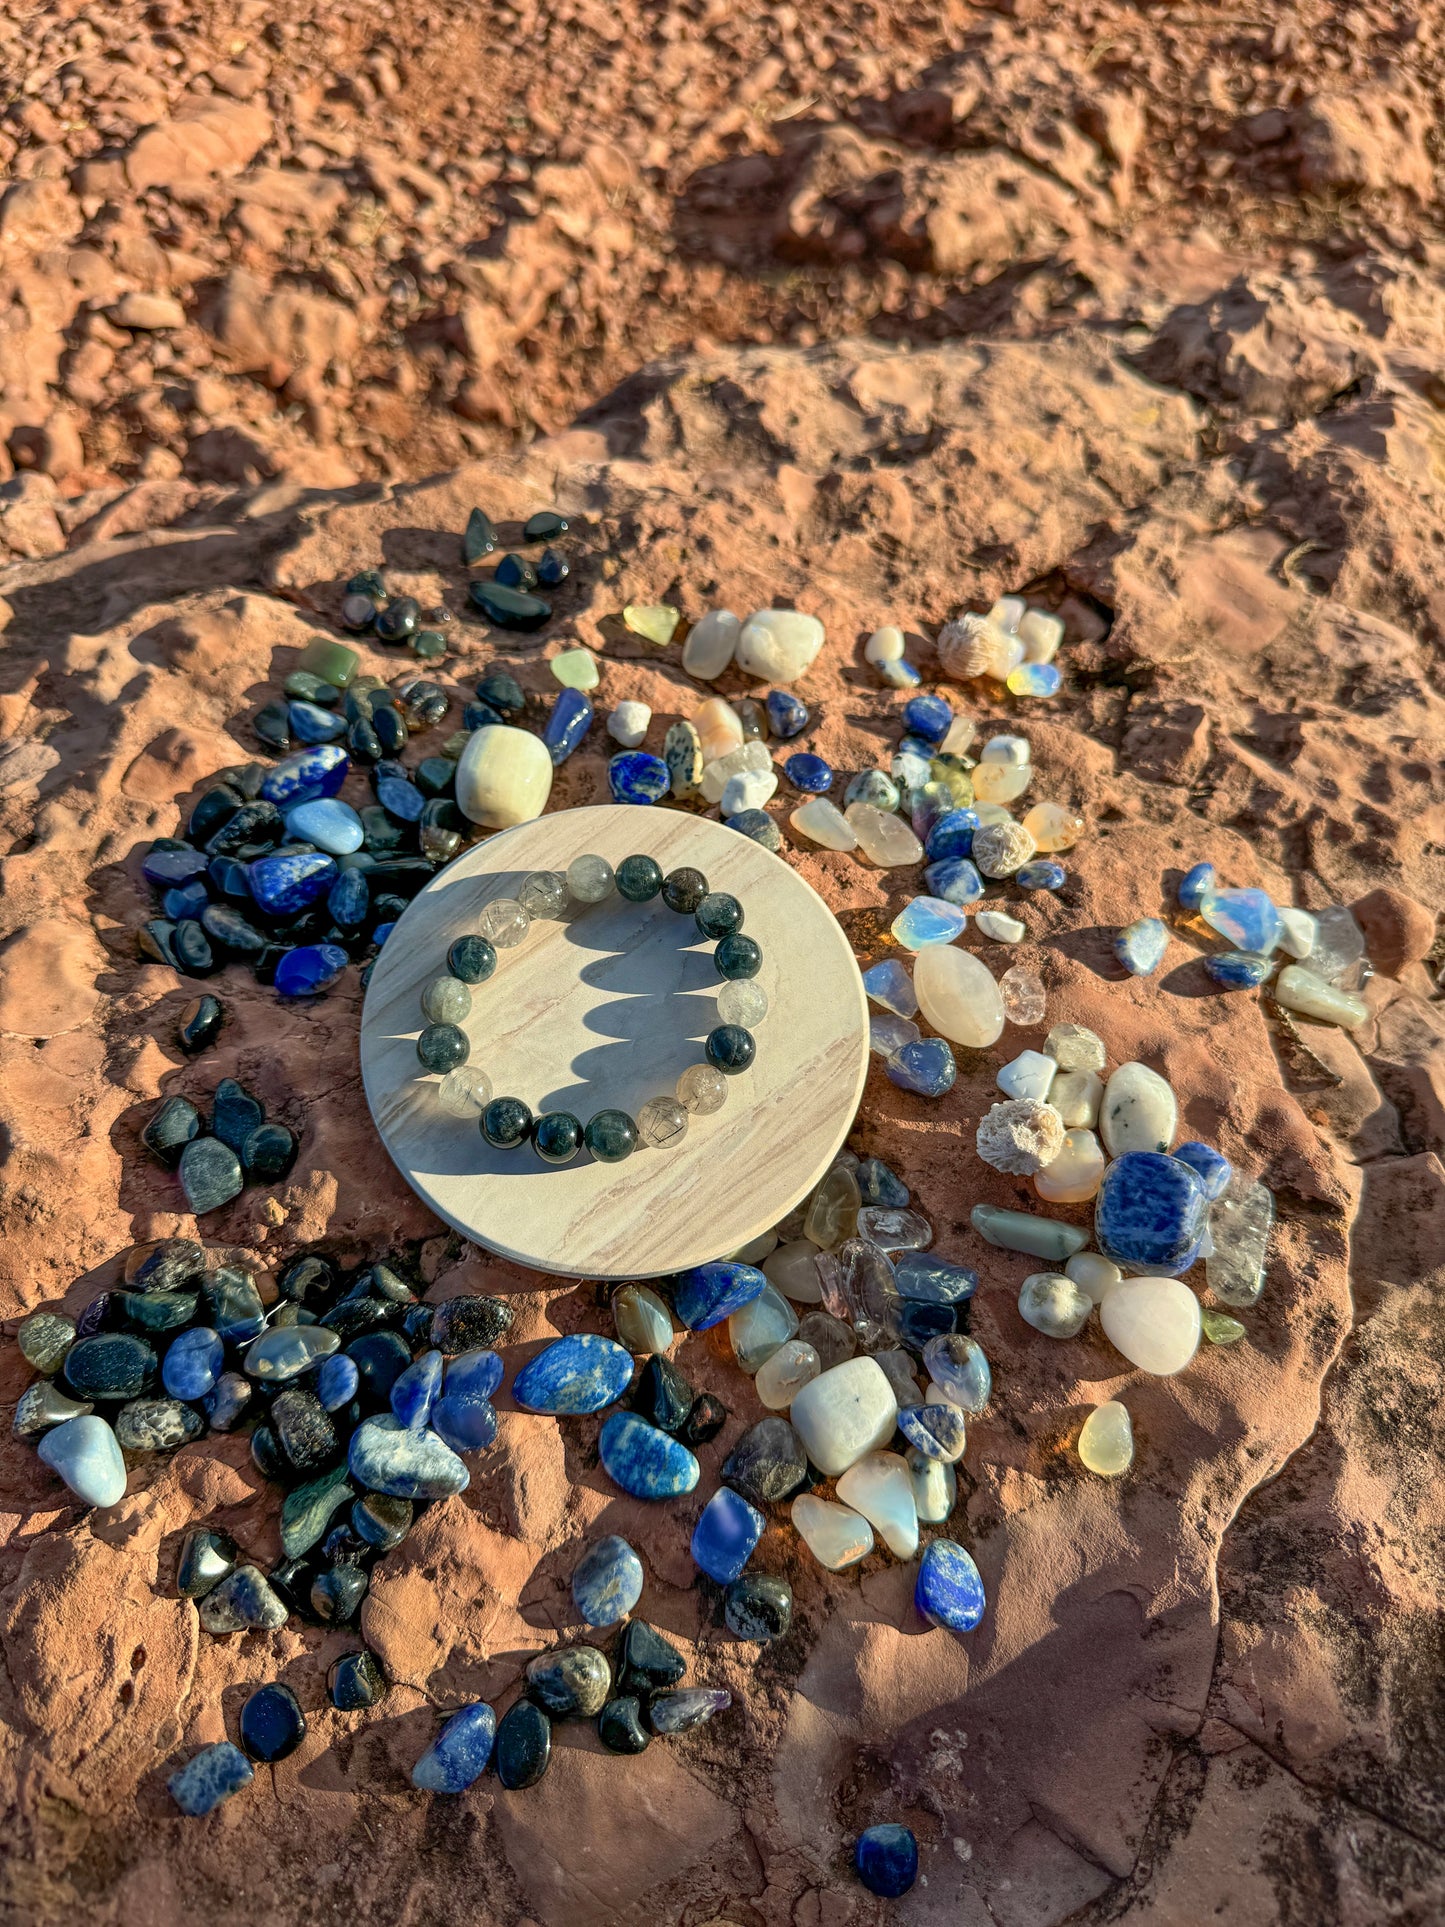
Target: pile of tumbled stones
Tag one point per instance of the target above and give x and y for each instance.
(241, 1146)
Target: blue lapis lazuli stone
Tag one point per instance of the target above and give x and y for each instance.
(380, 934)
(925, 1066)
(1237, 970)
(283, 885)
(307, 774)
(933, 1281)
(949, 1588)
(724, 1537)
(310, 969)
(953, 880)
(193, 1363)
(1196, 886)
(329, 823)
(337, 1381)
(1213, 1169)
(927, 716)
(185, 900)
(400, 799)
(787, 713)
(607, 1583)
(707, 1294)
(637, 777)
(808, 772)
(473, 1375)
(312, 724)
(644, 1461)
(1140, 946)
(1043, 874)
(1151, 1213)
(915, 1323)
(926, 920)
(212, 1776)
(349, 899)
(460, 1753)
(951, 836)
(1246, 918)
(887, 1860)
(580, 1373)
(416, 1391)
(165, 867)
(465, 1424)
(569, 722)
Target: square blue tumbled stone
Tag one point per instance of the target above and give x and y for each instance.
(1151, 1213)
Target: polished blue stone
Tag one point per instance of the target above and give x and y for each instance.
(808, 772)
(337, 1381)
(644, 1461)
(927, 807)
(349, 899)
(933, 1281)
(473, 1375)
(212, 1776)
(1196, 886)
(607, 1583)
(637, 777)
(581, 1373)
(185, 900)
(272, 1724)
(1151, 1213)
(388, 1457)
(283, 885)
(193, 1363)
(465, 1424)
(1247, 919)
(329, 823)
(1035, 679)
(928, 716)
(925, 920)
(460, 1753)
(958, 1367)
(1213, 1169)
(231, 878)
(379, 936)
(787, 713)
(925, 1066)
(309, 969)
(1140, 946)
(914, 1322)
(569, 722)
(165, 867)
(416, 1391)
(709, 1293)
(954, 880)
(878, 1184)
(724, 1537)
(85, 1452)
(310, 724)
(889, 984)
(951, 836)
(949, 1588)
(887, 1860)
(226, 1401)
(1042, 874)
(1237, 970)
(400, 799)
(307, 774)
(937, 1431)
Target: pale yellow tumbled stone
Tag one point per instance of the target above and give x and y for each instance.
(777, 645)
(710, 644)
(832, 1213)
(883, 838)
(781, 1377)
(885, 644)
(793, 1269)
(881, 1488)
(836, 1535)
(1076, 1096)
(823, 822)
(1300, 989)
(576, 669)
(1076, 1173)
(1001, 782)
(504, 777)
(1052, 827)
(1093, 1273)
(961, 732)
(958, 995)
(1106, 1444)
(719, 727)
(1154, 1322)
(1040, 633)
(1074, 1047)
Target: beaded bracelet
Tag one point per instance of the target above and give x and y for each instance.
(507, 1123)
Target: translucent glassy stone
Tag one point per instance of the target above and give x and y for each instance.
(928, 922)
(544, 894)
(1154, 1322)
(829, 1337)
(1022, 993)
(1106, 1443)
(503, 922)
(836, 1535)
(833, 1210)
(884, 839)
(590, 878)
(1245, 918)
(957, 1365)
(701, 1090)
(1053, 828)
(859, 1287)
(1300, 989)
(1239, 1226)
(887, 1033)
(446, 1000)
(1139, 1112)
(643, 1322)
(935, 1486)
(1220, 1328)
(890, 985)
(662, 1123)
(958, 995)
(879, 1487)
(1140, 946)
(465, 1092)
(1054, 1305)
(781, 1377)
(1001, 782)
(743, 1002)
(1338, 952)
(1075, 1174)
(894, 1229)
(1035, 679)
(720, 730)
(924, 1066)
(1092, 1273)
(1076, 1096)
(1298, 931)
(822, 822)
(793, 1270)
(710, 644)
(757, 1329)
(725, 1535)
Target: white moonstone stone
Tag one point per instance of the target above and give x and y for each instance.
(710, 644)
(781, 1377)
(1300, 989)
(504, 777)
(1074, 1176)
(959, 740)
(883, 838)
(1093, 1273)
(1054, 1305)
(1154, 1322)
(879, 1486)
(748, 790)
(740, 760)
(1298, 930)
(935, 1486)
(1030, 1074)
(1040, 633)
(884, 645)
(999, 925)
(823, 822)
(1013, 750)
(759, 1328)
(1008, 612)
(628, 724)
(1076, 1096)
(1139, 1111)
(1001, 782)
(836, 1535)
(793, 1270)
(844, 1413)
(958, 995)
(719, 729)
(777, 645)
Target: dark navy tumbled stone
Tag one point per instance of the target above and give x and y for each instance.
(635, 776)
(729, 1049)
(460, 1753)
(643, 1461)
(210, 1174)
(312, 968)
(544, 526)
(768, 1463)
(1238, 969)
(301, 778)
(808, 772)
(787, 713)
(233, 931)
(515, 572)
(607, 1582)
(951, 836)
(646, 1662)
(758, 827)
(581, 1373)
(356, 1681)
(465, 1424)
(111, 1365)
(186, 901)
(479, 537)
(949, 1588)
(724, 1537)
(226, 1400)
(272, 1723)
(933, 1281)
(170, 1128)
(927, 716)
(417, 1390)
(887, 1860)
(1212, 1168)
(308, 1510)
(207, 1557)
(311, 724)
(283, 885)
(381, 1521)
(212, 1776)
(569, 722)
(662, 1395)
(1044, 874)
(167, 864)
(233, 1304)
(473, 1375)
(400, 799)
(467, 1323)
(1151, 1214)
(499, 688)
(915, 1322)
(380, 1357)
(509, 608)
(524, 1745)
(703, 1423)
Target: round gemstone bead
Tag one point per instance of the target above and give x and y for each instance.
(742, 1002)
(662, 1122)
(472, 959)
(611, 1136)
(506, 1123)
(639, 879)
(465, 1092)
(738, 956)
(446, 1000)
(701, 1090)
(441, 1047)
(683, 890)
(719, 915)
(590, 878)
(504, 922)
(557, 1137)
(544, 894)
(730, 1049)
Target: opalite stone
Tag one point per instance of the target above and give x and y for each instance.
(708, 1294)
(215, 1773)
(386, 1457)
(1240, 1220)
(793, 1270)
(1034, 679)
(1245, 918)
(725, 1535)
(1074, 1175)
(777, 645)
(1220, 1328)
(885, 840)
(711, 644)
(628, 722)
(749, 758)
(1151, 1213)
(460, 1753)
(1106, 1443)
(1298, 931)
(1154, 1322)
(1140, 946)
(887, 1033)
(836, 1536)
(949, 1589)
(644, 1461)
(1054, 1305)
(1236, 970)
(879, 1487)
(844, 1413)
(824, 823)
(782, 1376)
(504, 777)
(760, 1327)
(85, 1454)
(958, 995)
(886, 1860)
(607, 1582)
(934, 1431)
(925, 1066)
(1029, 1075)
(1300, 989)
(1338, 952)
(1139, 1112)
(957, 1365)
(890, 985)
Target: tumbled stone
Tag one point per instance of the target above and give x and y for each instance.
(725, 1535)
(1029, 1075)
(758, 1328)
(84, 1452)
(110, 1365)
(386, 1457)
(1301, 990)
(782, 1376)
(207, 1557)
(710, 644)
(768, 1463)
(156, 1425)
(1213, 1170)
(935, 1486)
(844, 1413)
(836, 1536)
(213, 1775)
(1245, 918)
(1021, 1231)
(777, 645)
(934, 1431)
(686, 1707)
(1077, 1097)
(1139, 1113)
(703, 1423)
(272, 1724)
(470, 1323)
(1075, 1173)
(710, 1293)
(1240, 1219)
(44, 1338)
(824, 823)
(308, 1510)
(643, 1460)
(571, 1683)
(620, 1727)
(933, 1280)
(1092, 1273)
(580, 1373)
(356, 1682)
(42, 1405)
(957, 1365)
(607, 1582)
(949, 1588)
(879, 1487)
(523, 1749)
(504, 777)
(1154, 1322)
(642, 1319)
(287, 1351)
(634, 776)
(210, 1174)
(662, 1395)
(460, 1753)
(1151, 1214)
(1054, 1305)
(1140, 946)
(758, 1607)
(244, 1599)
(1220, 1328)
(958, 996)
(1106, 1443)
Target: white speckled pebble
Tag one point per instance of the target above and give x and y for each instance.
(628, 724)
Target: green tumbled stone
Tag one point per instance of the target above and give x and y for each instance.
(1220, 1329)
(332, 661)
(307, 688)
(44, 1338)
(510, 608)
(428, 645)
(576, 669)
(480, 537)
(611, 1135)
(307, 1511)
(544, 525)
(654, 621)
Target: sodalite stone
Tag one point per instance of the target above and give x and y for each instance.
(951, 836)
(1151, 1214)
(284, 884)
(643, 1461)
(473, 1375)
(400, 799)
(926, 1066)
(337, 1381)
(1196, 886)
(193, 1363)
(212, 1776)
(333, 826)
(582, 1373)
(1044, 874)
(416, 1391)
(1213, 1169)
(928, 920)
(708, 1294)
(933, 1281)
(949, 1588)
(310, 969)
(460, 1753)
(312, 724)
(164, 866)
(386, 1457)
(724, 1537)
(309, 774)
(809, 773)
(569, 722)
(607, 1582)
(887, 1860)
(1245, 918)
(637, 777)
(1140, 946)
(937, 1431)
(927, 716)
(890, 985)
(84, 1452)
(465, 1424)
(787, 713)
(954, 880)
(1237, 970)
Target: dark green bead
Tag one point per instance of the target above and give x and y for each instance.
(515, 572)
(441, 1047)
(398, 620)
(428, 646)
(509, 608)
(543, 526)
(369, 582)
(738, 956)
(683, 890)
(502, 691)
(506, 1123)
(472, 959)
(611, 1136)
(719, 915)
(638, 879)
(557, 1137)
(730, 1049)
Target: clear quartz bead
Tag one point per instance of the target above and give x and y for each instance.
(589, 878)
(829, 1338)
(544, 894)
(662, 1122)
(446, 1000)
(465, 1092)
(742, 1001)
(701, 1090)
(503, 922)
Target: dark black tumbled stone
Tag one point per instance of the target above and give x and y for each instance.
(916, 1323)
(390, 729)
(153, 940)
(200, 1024)
(217, 806)
(553, 568)
(441, 1047)
(355, 1682)
(646, 1662)
(254, 829)
(435, 776)
(210, 1173)
(343, 1547)
(157, 1311)
(170, 1128)
(706, 1419)
(506, 1123)
(207, 1555)
(683, 890)
(266, 1454)
(477, 715)
(572, 1682)
(112, 1365)
(620, 1728)
(362, 742)
(337, 1593)
(380, 1358)
(233, 930)
(292, 1581)
(738, 956)
(233, 1304)
(272, 724)
(611, 1136)
(524, 1745)
(359, 1313)
(719, 915)
(417, 1324)
(758, 1606)
(272, 1723)
(638, 878)
(479, 538)
(557, 1137)
(509, 608)
(768, 1464)
(469, 1324)
(168, 1266)
(303, 1429)
(193, 953)
(102, 1314)
(382, 1521)
(662, 1395)
(398, 621)
(156, 1425)
(309, 1276)
(730, 1049)
(544, 526)
(472, 959)
(515, 572)
(234, 1114)
(269, 1153)
(502, 691)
